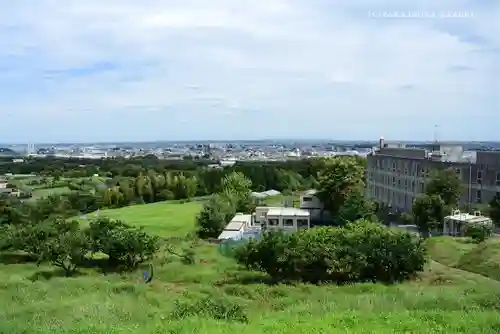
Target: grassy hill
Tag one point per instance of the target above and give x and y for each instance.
(461, 253)
(216, 296)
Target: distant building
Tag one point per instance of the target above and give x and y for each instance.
(5, 190)
(396, 175)
(456, 223)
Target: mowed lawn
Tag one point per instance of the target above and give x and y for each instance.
(214, 295)
(163, 218)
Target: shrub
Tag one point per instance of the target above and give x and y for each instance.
(33, 238)
(67, 250)
(478, 232)
(360, 251)
(123, 244)
(215, 308)
(214, 216)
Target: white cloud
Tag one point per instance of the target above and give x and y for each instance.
(259, 68)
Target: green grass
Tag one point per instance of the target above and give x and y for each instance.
(162, 218)
(39, 193)
(190, 298)
(461, 253)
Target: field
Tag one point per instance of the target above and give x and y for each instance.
(39, 193)
(215, 296)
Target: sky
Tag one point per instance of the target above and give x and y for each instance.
(130, 70)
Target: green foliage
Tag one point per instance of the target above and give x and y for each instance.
(123, 244)
(495, 210)
(237, 189)
(213, 307)
(428, 212)
(446, 184)
(355, 207)
(338, 179)
(214, 216)
(33, 238)
(361, 251)
(478, 232)
(66, 250)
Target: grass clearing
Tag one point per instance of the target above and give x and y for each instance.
(216, 296)
(39, 193)
(163, 218)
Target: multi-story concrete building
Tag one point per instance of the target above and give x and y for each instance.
(397, 174)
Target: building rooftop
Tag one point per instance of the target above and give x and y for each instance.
(468, 218)
(288, 212)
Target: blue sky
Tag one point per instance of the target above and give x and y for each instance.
(119, 70)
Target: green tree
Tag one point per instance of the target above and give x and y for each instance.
(338, 178)
(446, 184)
(495, 210)
(214, 216)
(236, 187)
(428, 212)
(355, 207)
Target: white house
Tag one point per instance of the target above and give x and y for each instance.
(455, 223)
(236, 227)
(287, 219)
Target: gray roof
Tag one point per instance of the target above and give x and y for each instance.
(288, 212)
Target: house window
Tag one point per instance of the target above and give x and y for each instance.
(288, 223)
(302, 223)
(478, 196)
(306, 199)
(273, 222)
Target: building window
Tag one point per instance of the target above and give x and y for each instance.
(393, 181)
(302, 223)
(422, 187)
(479, 177)
(393, 166)
(288, 223)
(306, 199)
(498, 179)
(478, 196)
(273, 222)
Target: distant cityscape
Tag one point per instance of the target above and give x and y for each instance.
(227, 152)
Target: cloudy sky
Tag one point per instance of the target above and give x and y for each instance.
(94, 70)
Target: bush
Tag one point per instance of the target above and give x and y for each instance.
(215, 308)
(214, 216)
(32, 239)
(478, 232)
(359, 252)
(123, 244)
(66, 250)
